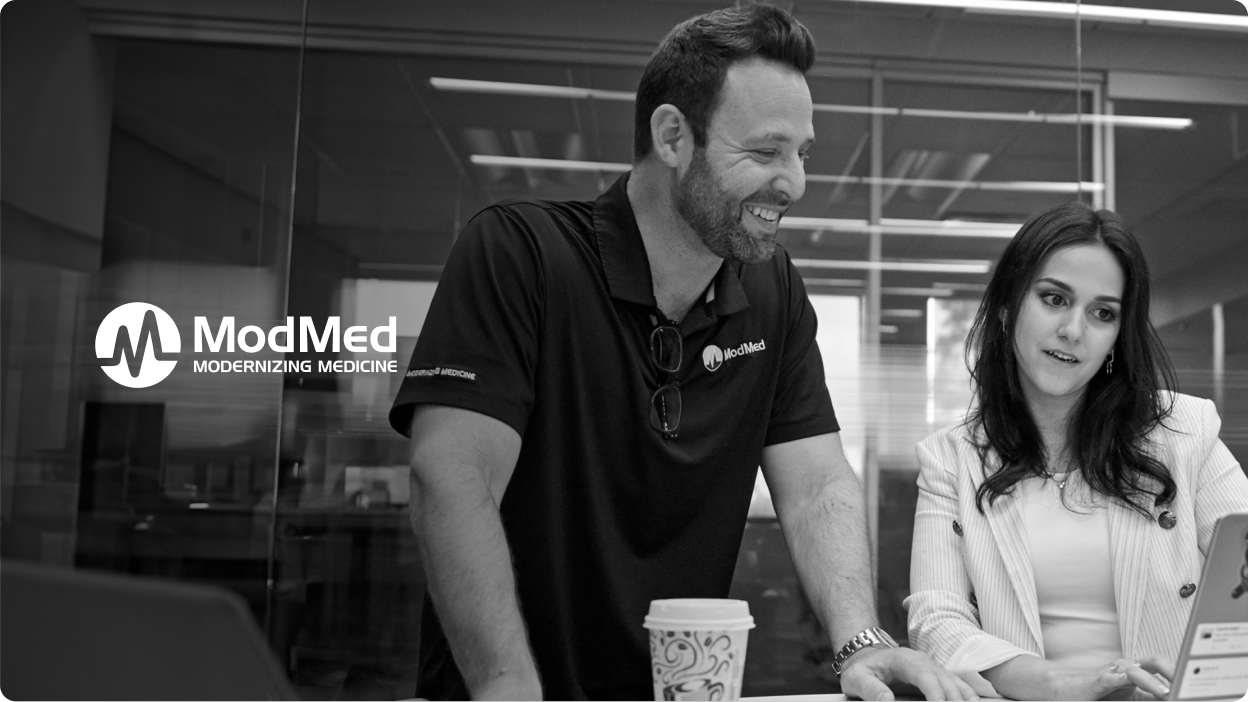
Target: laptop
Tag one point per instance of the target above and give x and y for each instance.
(80, 635)
(1213, 663)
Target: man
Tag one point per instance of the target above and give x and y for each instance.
(596, 384)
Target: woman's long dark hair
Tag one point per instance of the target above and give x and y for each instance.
(1108, 430)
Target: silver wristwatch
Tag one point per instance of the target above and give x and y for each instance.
(875, 636)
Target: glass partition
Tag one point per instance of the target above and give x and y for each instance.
(111, 462)
(178, 478)
(1186, 192)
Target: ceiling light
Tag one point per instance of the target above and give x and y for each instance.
(834, 282)
(1043, 117)
(917, 292)
(953, 227)
(1030, 186)
(907, 266)
(965, 287)
(549, 163)
(1095, 13)
(913, 227)
(490, 87)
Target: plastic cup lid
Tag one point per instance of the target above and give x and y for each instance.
(699, 614)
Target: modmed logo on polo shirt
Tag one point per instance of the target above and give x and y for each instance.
(713, 357)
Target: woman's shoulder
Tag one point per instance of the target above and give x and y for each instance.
(1188, 415)
(951, 441)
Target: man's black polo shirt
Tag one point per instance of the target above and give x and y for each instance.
(542, 319)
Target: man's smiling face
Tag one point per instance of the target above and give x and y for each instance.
(751, 170)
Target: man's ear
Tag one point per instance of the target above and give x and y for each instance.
(670, 134)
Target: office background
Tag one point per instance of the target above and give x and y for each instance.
(259, 160)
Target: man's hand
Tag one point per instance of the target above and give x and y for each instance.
(867, 673)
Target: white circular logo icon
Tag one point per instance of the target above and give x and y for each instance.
(137, 345)
(712, 357)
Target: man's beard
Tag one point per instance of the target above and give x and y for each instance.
(716, 218)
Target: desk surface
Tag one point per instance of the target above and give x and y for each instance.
(820, 697)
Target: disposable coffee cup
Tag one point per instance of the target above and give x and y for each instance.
(697, 648)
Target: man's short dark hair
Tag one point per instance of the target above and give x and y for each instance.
(688, 68)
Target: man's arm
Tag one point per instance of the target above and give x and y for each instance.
(461, 463)
(821, 509)
(820, 506)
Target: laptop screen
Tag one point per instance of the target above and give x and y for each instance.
(1213, 662)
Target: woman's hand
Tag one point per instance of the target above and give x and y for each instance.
(1033, 678)
(1122, 674)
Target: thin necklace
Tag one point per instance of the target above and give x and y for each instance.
(1061, 487)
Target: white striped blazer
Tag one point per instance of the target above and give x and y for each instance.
(973, 598)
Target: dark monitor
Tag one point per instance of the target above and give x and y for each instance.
(72, 634)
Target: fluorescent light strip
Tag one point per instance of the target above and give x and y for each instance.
(1030, 186)
(1047, 118)
(917, 292)
(964, 287)
(1093, 13)
(549, 163)
(834, 282)
(913, 227)
(489, 87)
(854, 226)
(950, 227)
(950, 224)
(906, 266)
(601, 166)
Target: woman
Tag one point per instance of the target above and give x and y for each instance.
(1061, 528)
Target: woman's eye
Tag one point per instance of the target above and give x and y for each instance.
(1052, 299)
(765, 153)
(1105, 315)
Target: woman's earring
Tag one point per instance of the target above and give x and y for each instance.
(1109, 363)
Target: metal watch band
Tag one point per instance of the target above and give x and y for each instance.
(867, 637)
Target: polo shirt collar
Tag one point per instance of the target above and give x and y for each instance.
(624, 262)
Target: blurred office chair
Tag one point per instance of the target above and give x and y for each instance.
(71, 634)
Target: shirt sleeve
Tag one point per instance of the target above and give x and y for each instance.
(1221, 486)
(802, 406)
(478, 348)
(942, 621)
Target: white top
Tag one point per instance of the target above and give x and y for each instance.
(1071, 561)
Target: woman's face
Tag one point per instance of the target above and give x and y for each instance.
(1067, 324)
